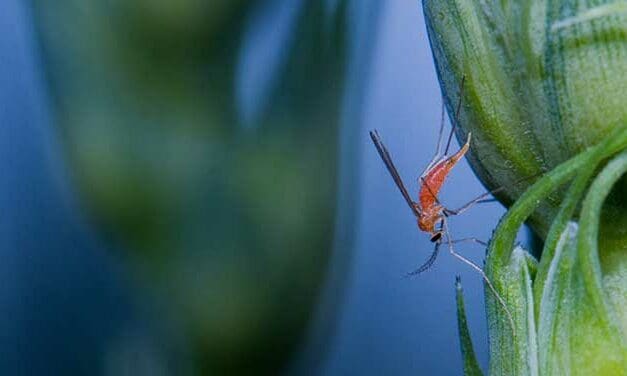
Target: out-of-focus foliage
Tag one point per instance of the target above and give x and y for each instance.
(229, 225)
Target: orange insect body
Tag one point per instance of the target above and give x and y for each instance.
(430, 210)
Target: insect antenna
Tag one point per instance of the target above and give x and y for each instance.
(387, 159)
(456, 117)
(434, 255)
(424, 267)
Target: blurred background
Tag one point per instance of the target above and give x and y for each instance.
(188, 188)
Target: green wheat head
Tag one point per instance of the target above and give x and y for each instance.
(546, 94)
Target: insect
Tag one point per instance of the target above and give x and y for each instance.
(430, 213)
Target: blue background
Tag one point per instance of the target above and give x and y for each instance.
(64, 297)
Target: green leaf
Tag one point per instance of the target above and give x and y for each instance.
(502, 243)
(513, 351)
(567, 210)
(610, 315)
(467, 41)
(511, 271)
(553, 327)
(543, 80)
(579, 328)
(471, 366)
(573, 338)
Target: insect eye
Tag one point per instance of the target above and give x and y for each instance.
(437, 236)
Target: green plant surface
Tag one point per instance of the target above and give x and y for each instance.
(544, 80)
(471, 366)
(544, 95)
(565, 318)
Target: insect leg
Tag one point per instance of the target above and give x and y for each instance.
(484, 198)
(456, 117)
(470, 240)
(431, 260)
(438, 150)
(480, 271)
(478, 200)
(486, 201)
